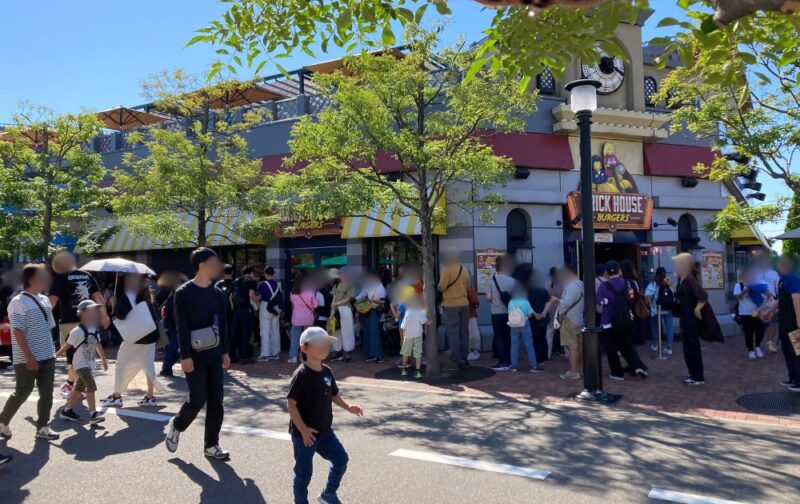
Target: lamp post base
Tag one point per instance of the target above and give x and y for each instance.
(597, 397)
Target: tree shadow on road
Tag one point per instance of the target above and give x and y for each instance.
(92, 444)
(227, 487)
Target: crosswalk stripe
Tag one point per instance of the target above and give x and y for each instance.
(685, 498)
(256, 432)
(480, 465)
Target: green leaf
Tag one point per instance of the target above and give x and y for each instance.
(420, 13)
(442, 8)
(388, 36)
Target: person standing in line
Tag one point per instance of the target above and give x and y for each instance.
(85, 340)
(454, 285)
(772, 278)
(134, 356)
(312, 392)
(750, 296)
(542, 303)
(34, 354)
(555, 290)
(203, 340)
(413, 326)
(269, 312)
(789, 318)
(304, 302)
(344, 294)
(693, 301)
(372, 298)
(600, 277)
(8, 288)
(168, 282)
(243, 298)
(661, 295)
(474, 329)
(570, 319)
(617, 319)
(70, 287)
(499, 295)
(520, 312)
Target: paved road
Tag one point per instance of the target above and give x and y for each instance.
(592, 454)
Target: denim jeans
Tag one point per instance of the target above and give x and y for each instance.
(373, 346)
(668, 329)
(330, 448)
(171, 353)
(294, 346)
(524, 334)
(456, 322)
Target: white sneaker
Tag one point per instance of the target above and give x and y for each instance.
(473, 356)
(654, 348)
(173, 438)
(263, 358)
(569, 375)
(148, 402)
(5, 431)
(668, 352)
(616, 378)
(46, 433)
(759, 353)
(293, 360)
(751, 355)
(111, 401)
(216, 452)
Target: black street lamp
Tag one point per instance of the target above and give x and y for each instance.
(583, 101)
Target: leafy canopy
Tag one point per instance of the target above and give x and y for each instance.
(49, 181)
(743, 82)
(197, 164)
(519, 40)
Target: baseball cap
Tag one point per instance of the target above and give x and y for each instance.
(87, 305)
(313, 334)
(612, 267)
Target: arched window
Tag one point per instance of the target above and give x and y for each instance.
(518, 230)
(687, 233)
(546, 82)
(650, 90)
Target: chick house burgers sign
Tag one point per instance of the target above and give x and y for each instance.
(616, 200)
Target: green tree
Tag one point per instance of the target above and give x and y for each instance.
(197, 164)
(49, 180)
(740, 90)
(391, 105)
(793, 221)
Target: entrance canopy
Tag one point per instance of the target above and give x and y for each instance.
(749, 235)
(794, 234)
(384, 223)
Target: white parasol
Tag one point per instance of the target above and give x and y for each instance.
(117, 265)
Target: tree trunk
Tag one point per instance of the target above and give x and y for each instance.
(429, 290)
(201, 227)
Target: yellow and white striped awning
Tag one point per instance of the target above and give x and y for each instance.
(375, 225)
(218, 231)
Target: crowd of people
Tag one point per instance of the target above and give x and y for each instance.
(216, 318)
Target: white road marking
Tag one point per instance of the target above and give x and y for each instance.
(157, 417)
(525, 472)
(256, 432)
(685, 498)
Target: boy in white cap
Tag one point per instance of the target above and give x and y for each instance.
(311, 393)
(84, 339)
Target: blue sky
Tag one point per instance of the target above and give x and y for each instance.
(93, 54)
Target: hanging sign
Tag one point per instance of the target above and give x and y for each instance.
(711, 267)
(485, 262)
(616, 200)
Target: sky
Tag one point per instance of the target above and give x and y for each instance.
(92, 54)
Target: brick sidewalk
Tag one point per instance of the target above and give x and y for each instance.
(729, 375)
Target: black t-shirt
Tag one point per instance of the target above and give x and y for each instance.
(313, 391)
(5, 298)
(70, 289)
(241, 290)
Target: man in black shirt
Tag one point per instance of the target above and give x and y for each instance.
(70, 287)
(243, 298)
(199, 306)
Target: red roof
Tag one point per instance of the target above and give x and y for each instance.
(670, 160)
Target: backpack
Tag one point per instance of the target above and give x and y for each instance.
(622, 318)
(666, 298)
(516, 318)
(239, 294)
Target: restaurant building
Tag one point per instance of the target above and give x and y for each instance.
(649, 203)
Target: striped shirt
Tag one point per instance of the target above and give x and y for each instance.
(25, 316)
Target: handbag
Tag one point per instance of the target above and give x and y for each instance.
(163, 338)
(205, 338)
(440, 294)
(137, 324)
(363, 306)
(561, 315)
